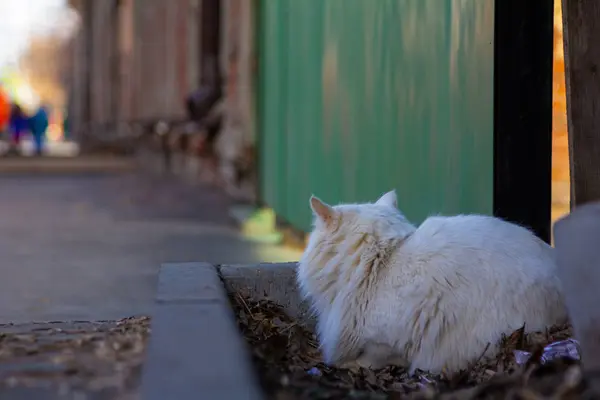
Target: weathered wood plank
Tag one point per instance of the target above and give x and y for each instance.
(581, 26)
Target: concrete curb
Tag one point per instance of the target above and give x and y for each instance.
(276, 282)
(195, 350)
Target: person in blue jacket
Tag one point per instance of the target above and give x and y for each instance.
(19, 125)
(38, 124)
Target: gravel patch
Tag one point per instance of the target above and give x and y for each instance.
(76, 357)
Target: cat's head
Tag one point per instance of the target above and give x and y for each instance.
(348, 239)
(345, 234)
(375, 219)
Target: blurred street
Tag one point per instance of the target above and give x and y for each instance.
(88, 247)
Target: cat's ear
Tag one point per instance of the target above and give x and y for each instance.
(321, 209)
(389, 199)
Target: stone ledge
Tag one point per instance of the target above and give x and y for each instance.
(195, 349)
(189, 282)
(276, 282)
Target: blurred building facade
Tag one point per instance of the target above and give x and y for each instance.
(134, 59)
(137, 60)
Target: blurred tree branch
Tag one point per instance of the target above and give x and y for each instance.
(45, 64)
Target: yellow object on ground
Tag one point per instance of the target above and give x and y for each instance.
(261, 227)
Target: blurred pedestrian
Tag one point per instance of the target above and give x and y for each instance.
(199, 102)
(38, 124)
(19, 125)
(203, 107)
(66, 126)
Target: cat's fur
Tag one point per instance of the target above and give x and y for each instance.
(432, 297)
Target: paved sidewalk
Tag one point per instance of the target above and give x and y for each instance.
(89, 246)
(52, 148)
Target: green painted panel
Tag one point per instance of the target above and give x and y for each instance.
(303, 129)
(273, 69)
(377, 95)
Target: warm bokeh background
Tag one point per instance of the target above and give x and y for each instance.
(560, 147)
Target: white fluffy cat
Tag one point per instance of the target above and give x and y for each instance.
(431, 298)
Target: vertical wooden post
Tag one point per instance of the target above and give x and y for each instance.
(581, 32)
(126, 48)
(88, 26)
(210, 42)
(577, 235)
(523, 51)
(114, 74)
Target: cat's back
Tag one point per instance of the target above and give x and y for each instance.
(479, 241)
(485, 275)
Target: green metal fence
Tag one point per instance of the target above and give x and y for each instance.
(358, 97)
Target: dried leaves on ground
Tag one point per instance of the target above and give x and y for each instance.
(290, 366)
(81, 357)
